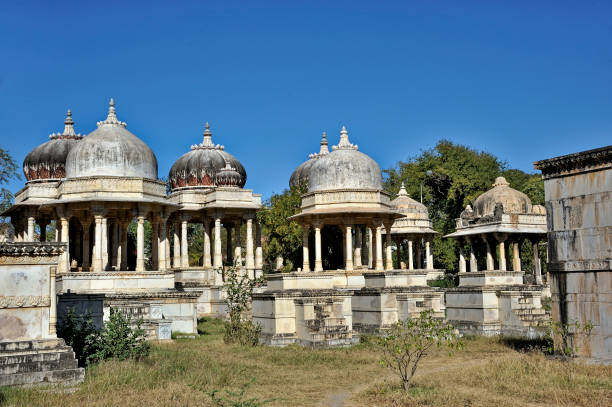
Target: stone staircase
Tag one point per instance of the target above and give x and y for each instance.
(528, 312)
(323, 324)
(48, 361)
(527, 317)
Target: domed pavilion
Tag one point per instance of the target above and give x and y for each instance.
(415, 229)
(344, 189)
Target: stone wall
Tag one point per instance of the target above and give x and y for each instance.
(578, 190)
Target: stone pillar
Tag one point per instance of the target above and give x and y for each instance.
(155, 245)
(65, 258)
(167, 247)
(97, 248)
(250, 253)
(207, 262)
(58, 231)
(490, 261)
(42, 224)
(537, 270)
(258, 249)
(53, 301)
(410, 255)
(218, 259)
(176, 263)
(30, 232)
(162, 264)
(184, 244)
(104, 243)
(348, 258)
(364, 245)
(140, 261)
(305, 252)
(229, 257)
(428, 255)
(318, 260)
(516, 257)
(124, 241)
(86, 263)
(502, 256)
(462, 265)
(379, 253)
(357, 251)
(238, 246)
(473, 262)
(389, 249)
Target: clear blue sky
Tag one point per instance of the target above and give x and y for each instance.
(524, 80)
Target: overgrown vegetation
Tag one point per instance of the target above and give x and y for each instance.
(239, 327)
(118, 339)
(407, 342)
(236, 398)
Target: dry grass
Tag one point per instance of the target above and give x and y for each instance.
(181, 373)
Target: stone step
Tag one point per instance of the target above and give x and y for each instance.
(37, 345)
(65, 377)
(40, 362)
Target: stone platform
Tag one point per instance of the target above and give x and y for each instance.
(48, 361)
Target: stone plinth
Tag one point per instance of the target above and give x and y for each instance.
(30, 352)
(578, 191)
(352, 280)
(300, 281)
(490, 278)
(395, 278)
(114, 281)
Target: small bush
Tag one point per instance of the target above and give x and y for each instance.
(118, 340)
(239, 293)
(78, 331)
(407, 342)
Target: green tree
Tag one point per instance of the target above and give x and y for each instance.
(283, 236)
(459, 174)
(8, 171)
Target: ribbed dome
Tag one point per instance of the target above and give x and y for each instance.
(48, 161)
(408, 206)
(301, 173)
(512, 200)
(200, 166)
(344, 168)
(111, 150)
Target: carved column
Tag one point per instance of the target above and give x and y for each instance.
(218, 259)
(373, 247)
(318, 261)
(305, 253)
(184, 244)
(370, 249)
(65, 259)
(167, 247)
(462, 265)
(389, 249)
(163, 240)
(410, 255)
(207, 262)
(140, 260)
(42, 224)
(250, 254)
(516, 257)
(176, 263)
(104, 243)
(428, 255)
(258, 249)
(364, 252)
(473, 262)
(379, 254)
(97, 247)
(490, 261)
(238, 246)
(502, 253)
(348, 258)
(30, 232)
(357, 251)
(537, 271)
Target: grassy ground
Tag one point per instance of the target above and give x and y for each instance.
(487, 373)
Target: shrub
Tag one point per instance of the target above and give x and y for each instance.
(407, 342)
(78, 331)
(119, 340)
(239, 293)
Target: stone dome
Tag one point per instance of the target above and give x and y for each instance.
(512, 200)
(344, 168)
(200, 167)
(301, 173)
(538, 210)
(48, 161)
(409, 207)
(111, 150)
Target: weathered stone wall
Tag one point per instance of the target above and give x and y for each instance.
(578, 192)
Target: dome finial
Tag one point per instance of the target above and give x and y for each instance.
(207, 142)
(112, 115)
(324, 150)
(69, 125)
(500, 181)
(344, 143)
(402, 191)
